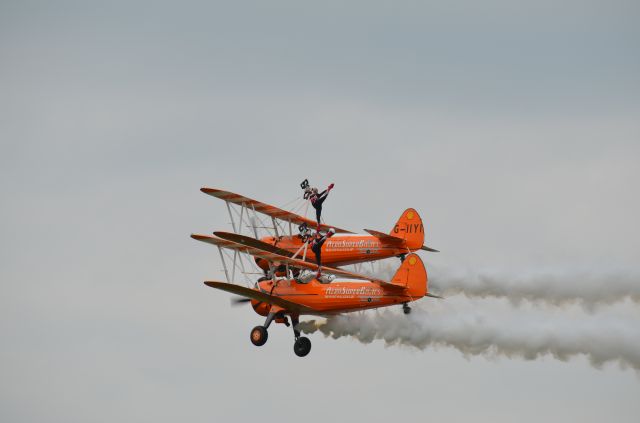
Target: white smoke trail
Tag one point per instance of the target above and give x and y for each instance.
(558, 287)
(600, 339)
(589, 289)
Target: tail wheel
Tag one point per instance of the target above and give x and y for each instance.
(406, 308)
(259, 335)
(302, 346)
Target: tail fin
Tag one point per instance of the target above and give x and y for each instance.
(412, 275)
(409, 227)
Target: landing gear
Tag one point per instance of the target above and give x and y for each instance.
(402, 257)
(406, 309)
(259, 334)
(302, 345)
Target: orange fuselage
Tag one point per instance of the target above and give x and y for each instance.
(341, 250)
(331, 298)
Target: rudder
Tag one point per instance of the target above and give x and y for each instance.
(410, 228)
(412, 275)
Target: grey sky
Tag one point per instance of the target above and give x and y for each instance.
(513, 130)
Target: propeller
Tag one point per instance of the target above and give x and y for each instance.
(237, 301)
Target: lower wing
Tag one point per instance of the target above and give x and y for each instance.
(261, 296)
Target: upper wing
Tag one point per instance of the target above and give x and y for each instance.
(267, 209)
(260, 296)
(279, 259)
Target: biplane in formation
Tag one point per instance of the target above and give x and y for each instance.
(288, 285)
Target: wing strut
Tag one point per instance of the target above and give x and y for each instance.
(224, 263)
(255, 216)
(242, 206)
(233, 222)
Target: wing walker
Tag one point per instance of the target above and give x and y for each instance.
(299, 260)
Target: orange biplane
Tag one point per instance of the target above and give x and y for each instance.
(288, 286)
(342, 249)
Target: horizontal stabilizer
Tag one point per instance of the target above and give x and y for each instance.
(425, 248)
(386, 238)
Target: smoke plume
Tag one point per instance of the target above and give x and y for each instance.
(558, 287)
(600, 339)
(554, 287)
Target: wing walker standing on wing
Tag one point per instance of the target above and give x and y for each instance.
(316, 247)
(315, 198)
(292, 284)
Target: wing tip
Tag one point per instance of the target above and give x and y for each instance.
(208, 239)
(209, 190)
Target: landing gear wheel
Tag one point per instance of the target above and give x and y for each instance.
(302, 346)
(406, 309)
(259, 336)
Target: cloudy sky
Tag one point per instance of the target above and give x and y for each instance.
(514, 129)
